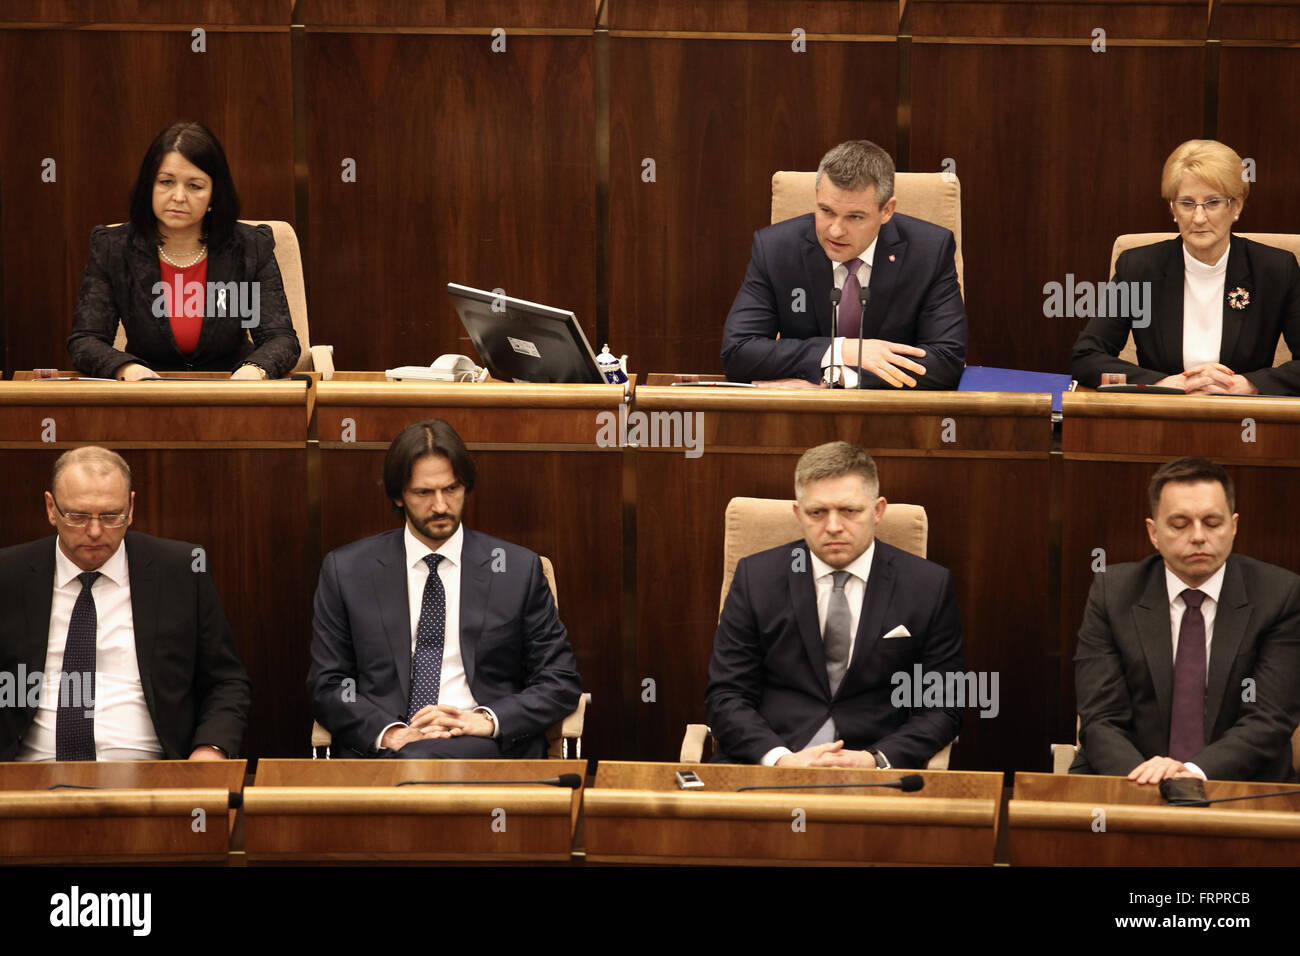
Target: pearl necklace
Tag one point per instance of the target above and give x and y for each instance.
(203, 251)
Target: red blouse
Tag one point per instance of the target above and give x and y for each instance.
(185, 311)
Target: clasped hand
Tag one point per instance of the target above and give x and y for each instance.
(1212, 378)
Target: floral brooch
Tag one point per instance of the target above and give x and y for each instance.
(1239, 298)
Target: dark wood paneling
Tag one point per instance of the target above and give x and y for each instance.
(204, 13)
(245, 508)
(1121, 19)
(96, 125)
(488, 14)
(718, 117)
(1256, 92)
(1058, 150)
(472, 166)
(756, 16)
(1255, 20)
(565, 505)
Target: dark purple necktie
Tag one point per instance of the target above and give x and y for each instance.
(430, 635)
(74, 723)
(1187, 721)
(850, 307)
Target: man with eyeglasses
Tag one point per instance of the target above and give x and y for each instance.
(1219, 302)
(112, 645)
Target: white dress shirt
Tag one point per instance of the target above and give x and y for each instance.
(1209, 607)
(454, 686)
(124, 729)
(840, 275)
(1202, 309)
(855, 592)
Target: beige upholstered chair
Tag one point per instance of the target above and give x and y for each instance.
(1063, 754)
(928, 196)
(557, 735)
(288, 255)
(1281, 240)
(756, 524)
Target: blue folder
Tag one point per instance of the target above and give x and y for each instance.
(979, 378)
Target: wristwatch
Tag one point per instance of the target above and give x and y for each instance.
(881, 762)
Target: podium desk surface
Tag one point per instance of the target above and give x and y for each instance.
(635, 813)
(1076, 820)
(149, 811)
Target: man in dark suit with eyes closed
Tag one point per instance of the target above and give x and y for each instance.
(813, 632)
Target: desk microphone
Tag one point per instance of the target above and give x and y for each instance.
(570, 780)
(864, 296)
(1195, 796)
(908, 784)
(837, 375)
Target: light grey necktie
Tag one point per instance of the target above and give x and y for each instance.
(835, 645)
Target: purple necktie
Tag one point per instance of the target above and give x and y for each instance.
(74, 721)
(1187, 721)
(850, 307)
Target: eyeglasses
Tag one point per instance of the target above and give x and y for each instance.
(77, 519)
(1185, 207)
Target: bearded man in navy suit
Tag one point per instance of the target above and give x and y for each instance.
(913, 331)
(432, 640)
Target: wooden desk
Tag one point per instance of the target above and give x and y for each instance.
(543, 483)
(350, 810)
(977, 462)
(1055, 820)
(152, 811)
(222, 465)
(1113, 444)
(636, 814)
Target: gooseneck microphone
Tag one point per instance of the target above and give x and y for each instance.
(908, 784)
(864, 296)
(570, 780)
(837, 375)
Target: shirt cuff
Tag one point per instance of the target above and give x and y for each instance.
(850, 374)
(496, 724)
(1195, 769)
(772, 756)
(379, 739)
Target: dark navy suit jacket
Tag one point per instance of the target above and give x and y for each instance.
(515, 650)
(767, 681)
(915, 300)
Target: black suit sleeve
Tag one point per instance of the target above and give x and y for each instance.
(1266, 723)
(929, 729)
(275, 343)
(751, 350)
(1105, 708)
(1285, 378)
(940, 329)
(1098, 346)
(551, 682)
(221, 687)
(736, 678)
(332, 683)
(94, 325)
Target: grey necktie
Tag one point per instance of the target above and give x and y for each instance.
(835, 645)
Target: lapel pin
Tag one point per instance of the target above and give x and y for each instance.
(891, 258)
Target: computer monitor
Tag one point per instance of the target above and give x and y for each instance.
(521, 341)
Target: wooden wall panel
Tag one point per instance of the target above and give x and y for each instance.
(472, 166)
(718, 117)
(1256, 100)
(485, 14)
(1058, 150)
(863, 17)
(96, 125)
(107, 13)
(244, 507)
(1121, 19)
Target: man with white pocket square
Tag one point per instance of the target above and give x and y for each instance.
(813, 632)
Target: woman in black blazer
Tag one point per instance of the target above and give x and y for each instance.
(1218, 302)
(184, 230)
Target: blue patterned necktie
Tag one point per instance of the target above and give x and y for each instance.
(74, 725)
(430, 635)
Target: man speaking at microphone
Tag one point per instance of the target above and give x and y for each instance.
(808, 644)
(913, 331)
